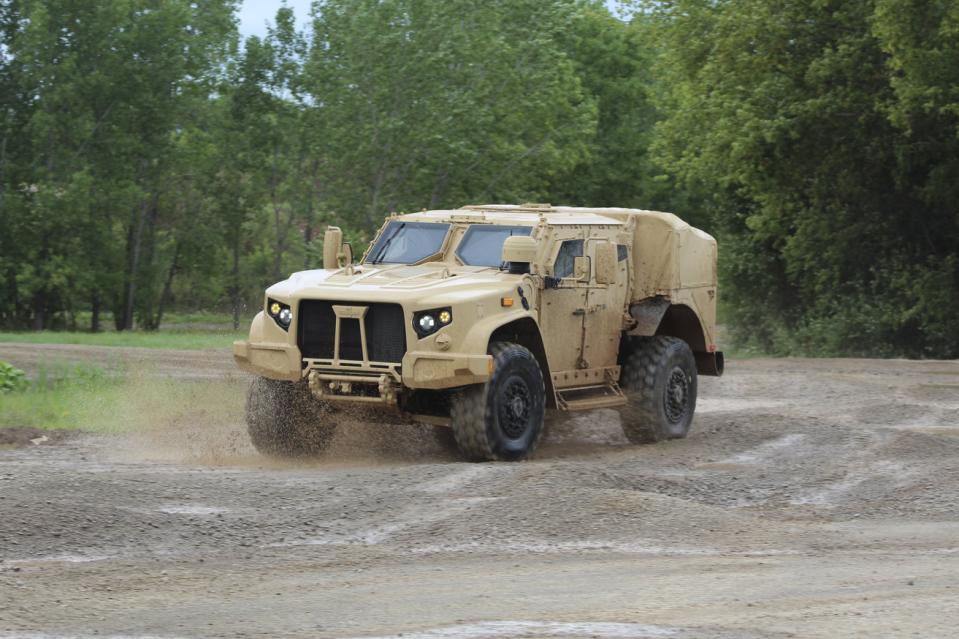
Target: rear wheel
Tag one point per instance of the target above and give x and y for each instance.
(659, 377)
(285, 420)
(501, 420)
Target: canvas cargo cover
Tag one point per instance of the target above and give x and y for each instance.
(668, 254)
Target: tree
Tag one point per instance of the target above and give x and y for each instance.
(101, 90)
(788, 113)
(429, 104)
(613, 59)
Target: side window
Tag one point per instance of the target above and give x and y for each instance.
(570, 249)
(621, 252)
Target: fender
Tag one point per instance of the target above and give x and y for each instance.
(659, 316)
(478, 337)
(648, 314)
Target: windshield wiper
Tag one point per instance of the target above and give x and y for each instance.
(386, 244)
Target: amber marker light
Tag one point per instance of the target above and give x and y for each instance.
(445, 317)
(274, 309)
(506, 302)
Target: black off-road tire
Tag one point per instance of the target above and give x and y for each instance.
(501, 420)
(285, 420)
(658, 375)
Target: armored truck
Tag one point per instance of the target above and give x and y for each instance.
(482, 319)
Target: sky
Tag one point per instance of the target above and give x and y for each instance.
(254, 14)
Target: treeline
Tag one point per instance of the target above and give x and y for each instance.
(152, 159)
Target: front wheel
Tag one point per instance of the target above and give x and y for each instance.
(285, 420)
(501, 420)
(658, 375)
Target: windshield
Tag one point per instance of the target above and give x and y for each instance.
(483, 245)
(408, 242)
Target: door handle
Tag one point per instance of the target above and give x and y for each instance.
(589, 309)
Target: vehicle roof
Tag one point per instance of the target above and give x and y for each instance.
(524, 215)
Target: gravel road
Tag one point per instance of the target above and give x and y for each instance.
(814, 498)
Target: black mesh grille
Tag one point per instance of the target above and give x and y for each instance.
(385, 331)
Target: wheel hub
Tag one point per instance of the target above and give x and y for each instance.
(676, 397)
(514, 414)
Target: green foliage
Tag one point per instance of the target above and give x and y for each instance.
(12, 379)
(151, 162)
(434, 104)
(830, 166)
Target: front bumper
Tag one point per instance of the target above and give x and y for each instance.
(276, 361)
(426, 369)
(420, 369)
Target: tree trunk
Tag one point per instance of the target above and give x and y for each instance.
(133, 264)
(167, 294)
(3, 163)
(95, 313)
(311, 197)
(148, 259)
(136, 238)
(37, 313)
(235, 288)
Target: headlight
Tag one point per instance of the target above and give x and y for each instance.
(428, 322)
(281, 313)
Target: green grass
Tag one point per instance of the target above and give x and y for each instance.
(145, 339)
(205, 320)
(91, 399)
(62, 398)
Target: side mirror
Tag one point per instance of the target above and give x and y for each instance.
(605, 254)
(519, 249)
(336, 254)
(581, 268)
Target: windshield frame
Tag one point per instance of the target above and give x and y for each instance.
(487, 228)
(388, 234)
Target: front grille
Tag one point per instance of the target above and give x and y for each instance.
(385, 332)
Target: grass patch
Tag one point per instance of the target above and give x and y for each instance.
(191, 340)
(92, 399)
(62, 398)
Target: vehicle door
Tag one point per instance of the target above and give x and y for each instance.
(563, 300)
(605, 301)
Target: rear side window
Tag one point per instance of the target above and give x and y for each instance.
(621, 252)
(565, 260)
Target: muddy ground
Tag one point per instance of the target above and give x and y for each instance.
(814, 498)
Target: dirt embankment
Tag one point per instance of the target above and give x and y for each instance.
(814, 498)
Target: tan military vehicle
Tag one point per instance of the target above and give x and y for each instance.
(484, 317)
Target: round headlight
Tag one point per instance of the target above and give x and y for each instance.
(285, 317)
(427, 323)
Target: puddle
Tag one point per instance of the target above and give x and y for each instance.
(765, 449)
(494, 629)
(193, 510)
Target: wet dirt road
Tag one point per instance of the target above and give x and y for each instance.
(814, 498)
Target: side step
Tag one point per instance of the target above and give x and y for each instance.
(606, 395)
